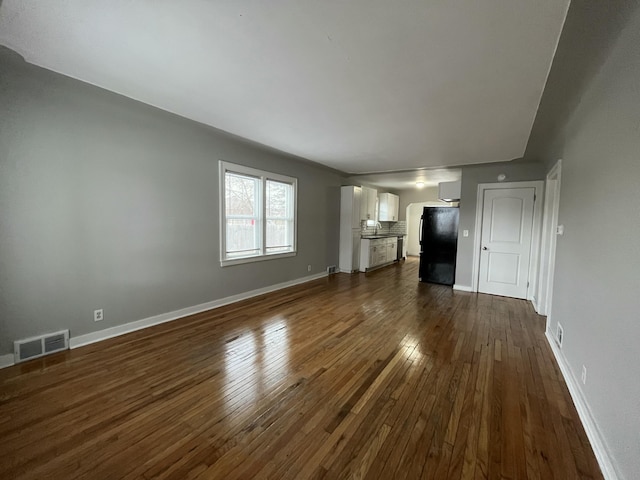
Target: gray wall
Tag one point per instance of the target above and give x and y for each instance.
(416, 195)
(597, 278)
(109, 203)
(516, 171)
(589, 32)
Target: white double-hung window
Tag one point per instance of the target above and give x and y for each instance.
(257, 214)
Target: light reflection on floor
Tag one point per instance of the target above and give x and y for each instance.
(254, 363)
(374, 307)
(276, 351)
(240, 386)
(412, 347)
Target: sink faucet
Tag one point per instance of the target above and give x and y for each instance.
(378, 225)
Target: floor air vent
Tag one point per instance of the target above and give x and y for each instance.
(35, 347)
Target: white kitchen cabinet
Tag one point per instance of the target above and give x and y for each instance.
(349, 254)
(449, 191)
(368, 204)
(350, 204)
(392, 250)
(381, 258)
(388, 207)
(377, 251)
(367, 254)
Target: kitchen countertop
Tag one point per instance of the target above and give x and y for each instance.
(386, 235)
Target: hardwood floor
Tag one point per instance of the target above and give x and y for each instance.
(375, 376)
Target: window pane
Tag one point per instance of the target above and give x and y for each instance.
(279, 217)
(241, 195)
(242, 237)
(279, 238)
(278, 199)
(258, 216)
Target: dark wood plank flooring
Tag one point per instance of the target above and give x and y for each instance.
(362, 376)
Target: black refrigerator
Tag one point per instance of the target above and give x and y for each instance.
(438, 244)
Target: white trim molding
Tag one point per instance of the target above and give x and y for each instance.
(549, 239)
(538, 186)
(534, 302)
(463, 288)
(93, 337)
(584, 412)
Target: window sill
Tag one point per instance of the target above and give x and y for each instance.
(257, 258)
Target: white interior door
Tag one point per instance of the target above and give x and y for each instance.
(507, 226)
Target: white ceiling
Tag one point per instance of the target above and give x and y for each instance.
(361, 86)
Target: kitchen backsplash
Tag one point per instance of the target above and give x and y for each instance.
(388, 228)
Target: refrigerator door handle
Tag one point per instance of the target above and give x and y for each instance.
(420, 230)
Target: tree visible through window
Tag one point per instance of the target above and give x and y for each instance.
(258, 213)
(241, 202)
(279, 216)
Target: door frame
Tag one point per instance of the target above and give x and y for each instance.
(544, 294)
(538, 187)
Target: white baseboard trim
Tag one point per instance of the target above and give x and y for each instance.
(534, 303)
(93, 337)
(462, 288)
(6, 360)
(584, 412)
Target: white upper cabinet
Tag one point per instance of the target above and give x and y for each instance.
(389, 204)
(350, 206)
(449, 191)
(368, 204)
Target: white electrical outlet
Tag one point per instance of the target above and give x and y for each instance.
(465, 233)
(308, 268)
(559, 335)
(98, 315)
(584, 375)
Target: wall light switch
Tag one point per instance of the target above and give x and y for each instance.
(465, 233)
(560, 230)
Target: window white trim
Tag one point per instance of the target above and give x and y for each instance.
(549, 239)
(225, 167)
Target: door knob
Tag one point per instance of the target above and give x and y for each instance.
(485, 248)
